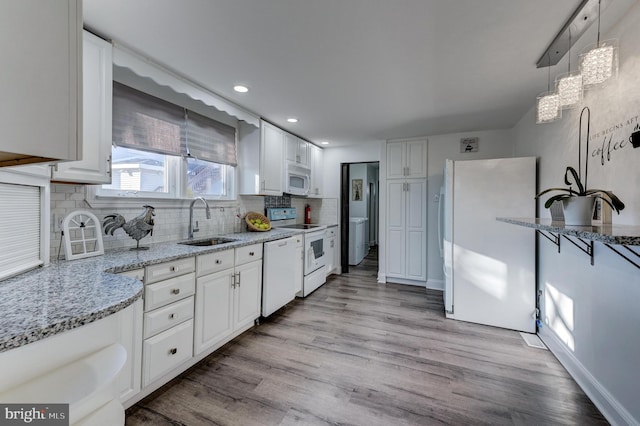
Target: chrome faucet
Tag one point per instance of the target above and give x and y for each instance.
(193, 229)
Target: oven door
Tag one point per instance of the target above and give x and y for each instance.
(314, 251)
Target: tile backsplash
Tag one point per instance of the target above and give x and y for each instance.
(171, 223)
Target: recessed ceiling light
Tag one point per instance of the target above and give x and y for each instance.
(292, 120)
(324, 143)
(240, 88)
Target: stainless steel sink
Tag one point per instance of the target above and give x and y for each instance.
(208, 241)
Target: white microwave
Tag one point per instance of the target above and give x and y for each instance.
(297, 180)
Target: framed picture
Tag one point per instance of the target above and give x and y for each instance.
(356, 189)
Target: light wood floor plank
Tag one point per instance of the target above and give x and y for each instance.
(357, 352)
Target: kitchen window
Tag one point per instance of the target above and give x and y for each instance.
(162, 150)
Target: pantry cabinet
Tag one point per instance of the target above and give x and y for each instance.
(407, 159)
(407, 229)
(41, 102)
(228, 295)
(97, 85)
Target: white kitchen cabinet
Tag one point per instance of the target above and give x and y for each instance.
(315, 186)
(331, 248)
(261, 156)
(228, 301)
(407, 159)
(97, 84)
(297, 150)
(41, 102)
(168, 317)
(407, 229)
(130, 337)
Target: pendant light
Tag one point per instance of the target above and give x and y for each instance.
(600, 63)
(548, 104)
(569, 85)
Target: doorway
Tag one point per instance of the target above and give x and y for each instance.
(359, 213)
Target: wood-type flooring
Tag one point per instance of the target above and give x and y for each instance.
(356, 352)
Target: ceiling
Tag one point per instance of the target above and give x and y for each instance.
(356, 71)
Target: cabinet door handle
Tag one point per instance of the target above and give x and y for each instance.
(233, 280)
(175, 291)
(238, 279)
(251, 253)
(173, 351)
(172, 316)
(218, 261)
(174, 269)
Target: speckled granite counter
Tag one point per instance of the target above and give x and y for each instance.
(609, 234)
(66, 295)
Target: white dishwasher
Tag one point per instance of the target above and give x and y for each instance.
(278, 274)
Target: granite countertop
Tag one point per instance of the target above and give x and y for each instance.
(68, 294)
(608, 234)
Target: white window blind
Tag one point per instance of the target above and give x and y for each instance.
(210, 140)
(144, 122)
(19, 229)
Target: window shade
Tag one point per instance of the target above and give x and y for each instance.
(142, 121)
(19, 229)
(210, 140)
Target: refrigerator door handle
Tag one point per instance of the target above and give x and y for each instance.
(440, 220)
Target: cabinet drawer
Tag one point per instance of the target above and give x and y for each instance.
(331, 232)
(165, 292)
(172, 269)
(138, 274)
(166, 317)
(166, 351)
(214, 262)
(248, 254)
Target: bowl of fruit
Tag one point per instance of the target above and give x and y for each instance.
(257, 222)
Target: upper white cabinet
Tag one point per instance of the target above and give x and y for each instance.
(97, 74)
(260, 159)
(407, 159)
(316, 171)
(40, 106)
(297, 150)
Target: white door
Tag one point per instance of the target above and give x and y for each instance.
(396, 228)
(271, 160)
(97, 83)
(416, 230)
(494, 262)
(213, 316)
(248, 294)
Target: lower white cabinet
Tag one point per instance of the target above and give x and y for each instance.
(228, 301)
(331, 247)
(130, 337)
(166, 351)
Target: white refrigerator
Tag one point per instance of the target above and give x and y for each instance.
(489, 266)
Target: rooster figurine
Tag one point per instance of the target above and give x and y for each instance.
(137, 228)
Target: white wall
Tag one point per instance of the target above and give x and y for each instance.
(334, 157)
(492, 144)
(590, 313)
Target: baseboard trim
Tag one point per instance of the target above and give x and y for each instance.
(608, 405)
(406, 282)
(435, 284)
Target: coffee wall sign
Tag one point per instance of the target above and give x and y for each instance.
(616, 138)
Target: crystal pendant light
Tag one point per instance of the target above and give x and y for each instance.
(569, 85)
(548, 105)
(600, 62)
